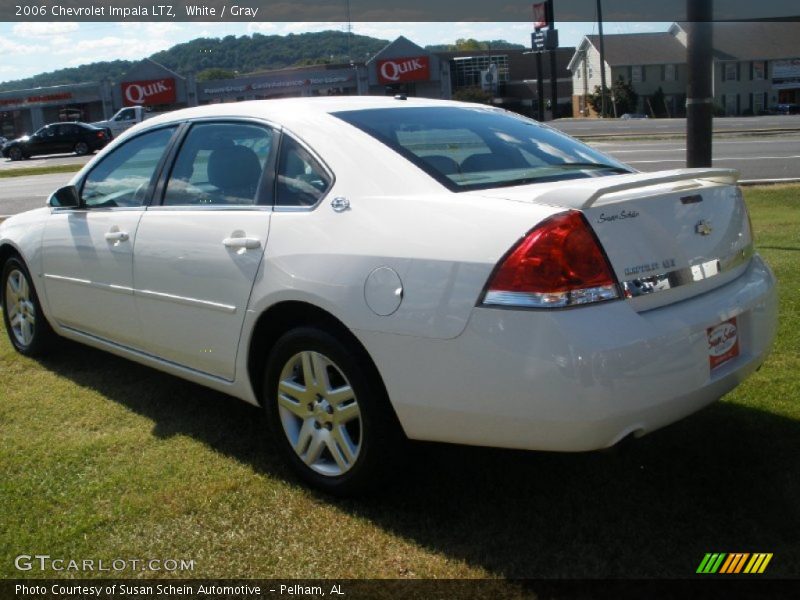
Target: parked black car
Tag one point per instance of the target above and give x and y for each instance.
(57, 138)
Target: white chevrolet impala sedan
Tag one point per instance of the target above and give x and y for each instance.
(372, 270)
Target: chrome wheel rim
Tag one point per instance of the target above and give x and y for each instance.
(320, 414)
(81, 148)
(20, 309)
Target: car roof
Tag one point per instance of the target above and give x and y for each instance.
(294, 108)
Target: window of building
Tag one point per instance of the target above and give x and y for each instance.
(637, 74)
(759, 70)
(670, 73)
(730, 72)
(467, 69)
(758, 104)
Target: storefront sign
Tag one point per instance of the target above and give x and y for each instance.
(150, 92)
(399, 70)
(540, 16)
(36, 99)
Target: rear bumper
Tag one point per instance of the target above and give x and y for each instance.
(574, 380)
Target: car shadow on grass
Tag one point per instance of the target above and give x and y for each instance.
(725, 480)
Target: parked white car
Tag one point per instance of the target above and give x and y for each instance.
(371, 269)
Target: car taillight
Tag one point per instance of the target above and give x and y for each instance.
(559, 263)
(100, 134)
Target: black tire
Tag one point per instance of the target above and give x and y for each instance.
(38, 336)
(379, 439)
(81, 148)
(15, 153)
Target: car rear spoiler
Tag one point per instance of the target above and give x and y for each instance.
(584, 193)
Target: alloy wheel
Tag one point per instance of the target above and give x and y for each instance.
(320, 413)
(20, 307)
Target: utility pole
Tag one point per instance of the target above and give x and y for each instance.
(349, 31)
(553, 62)
(603, 58)
(540, 86)
(699, 93)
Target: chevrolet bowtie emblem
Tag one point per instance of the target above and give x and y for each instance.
(703, 228)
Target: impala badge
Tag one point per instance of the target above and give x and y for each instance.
(703, 228)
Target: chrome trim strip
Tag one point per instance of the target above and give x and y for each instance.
(226, 308)
(644, 286)
(120, 289)
(106, 287)
(552, 300)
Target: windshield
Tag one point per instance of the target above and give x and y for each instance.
(478, 148)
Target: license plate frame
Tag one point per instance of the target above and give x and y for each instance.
(723, 343)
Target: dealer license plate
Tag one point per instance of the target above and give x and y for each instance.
(723, 343)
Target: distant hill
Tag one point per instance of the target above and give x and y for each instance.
(470, 44)
(243, 54)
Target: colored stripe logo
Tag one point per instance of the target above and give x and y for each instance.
(734, 563)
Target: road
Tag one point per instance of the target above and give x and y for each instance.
(770, 157)
(18, 194)
(775, 157)
(591, 127)
(44, 161)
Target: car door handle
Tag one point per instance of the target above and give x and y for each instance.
(117, 236)
(246, 243)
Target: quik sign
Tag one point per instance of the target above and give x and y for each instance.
(150, 92)
(400, 70)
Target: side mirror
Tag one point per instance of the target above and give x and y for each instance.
(65, 197)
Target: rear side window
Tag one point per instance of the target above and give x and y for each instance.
(302, 181)
(468, 148)
(123, 178)
(220, 164)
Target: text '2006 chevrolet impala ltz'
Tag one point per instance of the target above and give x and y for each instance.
(371, 270)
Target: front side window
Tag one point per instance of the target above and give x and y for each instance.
(125, 115)
(481, 148)
(302, 182)
(220, 164)
(123, 177)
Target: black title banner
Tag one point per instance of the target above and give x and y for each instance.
(383, 10)
(395, 589)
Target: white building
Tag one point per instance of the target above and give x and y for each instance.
(756, 66)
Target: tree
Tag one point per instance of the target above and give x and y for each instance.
(622, 95)
(473, 94)
(595, 101)
(215, 73)
(625, 97)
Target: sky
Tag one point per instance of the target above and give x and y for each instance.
(31, 48)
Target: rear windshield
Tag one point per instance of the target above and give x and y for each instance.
(468, 148)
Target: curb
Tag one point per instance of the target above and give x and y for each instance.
(784, 180)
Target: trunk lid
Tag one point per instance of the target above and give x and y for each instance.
(669, 236)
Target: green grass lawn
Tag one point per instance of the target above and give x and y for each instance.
(25, 171)
(102, 458)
